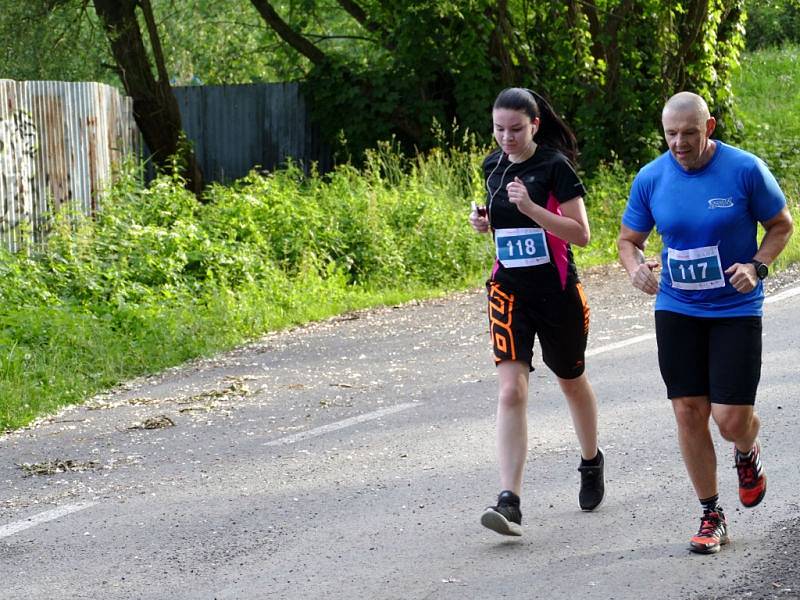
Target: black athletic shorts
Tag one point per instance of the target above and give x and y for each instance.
(560, 319)
(715, 357)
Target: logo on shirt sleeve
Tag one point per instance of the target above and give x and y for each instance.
(720, 203)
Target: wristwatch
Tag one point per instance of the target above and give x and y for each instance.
(762, 270)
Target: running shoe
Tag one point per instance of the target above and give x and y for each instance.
(593, 487)
(752, 481)
(713, 533)
(505, 518)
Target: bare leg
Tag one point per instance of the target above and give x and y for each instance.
(512, 423)
(583, 409)
(737, 424)
(694, 436)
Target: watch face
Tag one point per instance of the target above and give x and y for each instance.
(762, 270)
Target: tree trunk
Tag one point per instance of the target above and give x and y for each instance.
(498, 51)
(688, 30)
(154, 105)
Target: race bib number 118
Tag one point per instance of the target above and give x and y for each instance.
(521, 247)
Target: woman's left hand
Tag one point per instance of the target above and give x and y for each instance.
(517, 193)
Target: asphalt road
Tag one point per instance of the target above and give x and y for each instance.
(352, 459)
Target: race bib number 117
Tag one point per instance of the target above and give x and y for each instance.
(695, 268)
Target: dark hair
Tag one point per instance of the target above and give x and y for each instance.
(552, 129)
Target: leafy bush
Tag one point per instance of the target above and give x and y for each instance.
(772, 23)
(158, 278)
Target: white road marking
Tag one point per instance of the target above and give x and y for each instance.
(650, 336)
(782, 295)
(622, 344)
(291, 439)
(43, 517)
(57, 513)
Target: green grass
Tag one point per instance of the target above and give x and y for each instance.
(159, 278)
(767, 94)
(61, 355)
(767, 91)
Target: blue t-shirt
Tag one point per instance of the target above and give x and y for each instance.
(708, 220)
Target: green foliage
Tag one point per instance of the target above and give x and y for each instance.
(158, 278)
(772, 23)
(431, 66)
(217, 42)
(57, 40)
(768, 103)
(607, 66)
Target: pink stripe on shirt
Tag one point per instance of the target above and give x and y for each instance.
(558, 247)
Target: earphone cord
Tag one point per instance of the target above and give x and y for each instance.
(502, 177)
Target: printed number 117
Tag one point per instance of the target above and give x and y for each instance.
(703, 266)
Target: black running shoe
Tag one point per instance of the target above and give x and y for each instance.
(504, 518)
(713, 533)
(593, 487)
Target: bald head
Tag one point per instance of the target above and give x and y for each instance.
(687, 102)
(688, 127)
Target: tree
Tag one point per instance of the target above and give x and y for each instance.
(608, 65)
(52, 40)
(154, 105)
(374, 69)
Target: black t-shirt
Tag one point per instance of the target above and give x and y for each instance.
(550, 179)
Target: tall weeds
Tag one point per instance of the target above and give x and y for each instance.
(158, 278)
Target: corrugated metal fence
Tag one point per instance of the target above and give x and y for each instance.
(236, 127)
(59, 144)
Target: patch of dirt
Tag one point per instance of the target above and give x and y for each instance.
(52, 467)
(159, 422)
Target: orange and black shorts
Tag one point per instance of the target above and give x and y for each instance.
(559, 319)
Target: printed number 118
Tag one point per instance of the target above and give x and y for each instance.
(530, 247)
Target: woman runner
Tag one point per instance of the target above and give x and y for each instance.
(534, 210)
